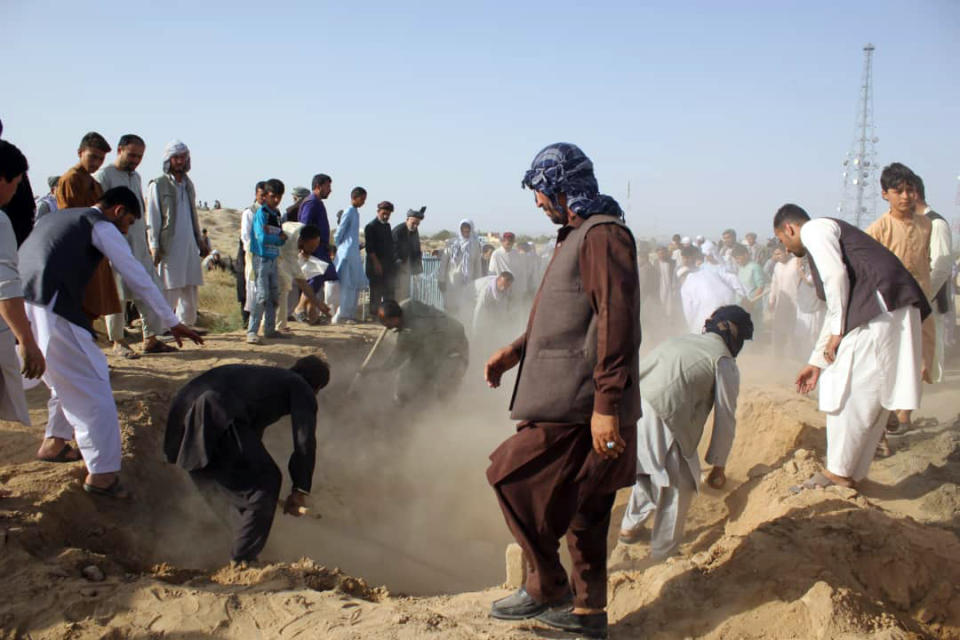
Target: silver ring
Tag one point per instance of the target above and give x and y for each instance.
(611, 444)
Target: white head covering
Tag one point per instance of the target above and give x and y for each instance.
(174, 148)
(463, 250)
(685, 241)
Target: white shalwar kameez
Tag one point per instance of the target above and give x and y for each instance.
(180, 270)
(81, 402)
(667, 480)
(246, 229)
(13, 404)
(701, 293)
(877, 367)
(941, 268)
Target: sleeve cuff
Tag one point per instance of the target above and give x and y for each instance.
(606, 404)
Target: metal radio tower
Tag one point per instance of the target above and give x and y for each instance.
(859, 200)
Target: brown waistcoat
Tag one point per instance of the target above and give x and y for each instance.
(555, 378)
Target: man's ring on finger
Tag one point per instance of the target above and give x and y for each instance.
(611, 444)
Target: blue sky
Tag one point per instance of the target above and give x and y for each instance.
(716, 113)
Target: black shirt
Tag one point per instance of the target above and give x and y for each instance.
(379, 242)
(242, 397)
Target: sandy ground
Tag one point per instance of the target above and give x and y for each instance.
(404, 538)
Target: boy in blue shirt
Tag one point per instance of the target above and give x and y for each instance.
(266, 238)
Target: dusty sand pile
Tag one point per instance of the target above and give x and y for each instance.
(400, 500)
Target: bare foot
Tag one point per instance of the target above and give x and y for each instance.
(839, 480)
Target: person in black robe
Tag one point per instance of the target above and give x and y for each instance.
(215, 430)
(381, 265)
(21, 208)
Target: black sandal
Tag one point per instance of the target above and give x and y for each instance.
(115, 490)
(65, 455)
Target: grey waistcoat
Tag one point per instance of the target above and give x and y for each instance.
(58, 258)
(167, 194)
(678, 379)
(555, 378)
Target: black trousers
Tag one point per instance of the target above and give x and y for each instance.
(381, 288)
(246, 479)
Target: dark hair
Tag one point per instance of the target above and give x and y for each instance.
(204, 231)
(921, 192)
(750, 233)
(12, 161)
(314, 370)
(677, 237)
(731, 232)
(274, 186)
(391, 309)
(319, 180)
(896, 175)
(506, 275)
(260, 186)
(357, 192)
(386, 204)
(120, 196)
(739, 250)
(789, 213)
(94, 140)
(309, 232)
(690, 251)
(130, 138)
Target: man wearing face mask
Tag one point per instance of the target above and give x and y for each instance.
(681, 381)
(215, 432)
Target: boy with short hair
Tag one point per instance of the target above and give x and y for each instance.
(266, 238)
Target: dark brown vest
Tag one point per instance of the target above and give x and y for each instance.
(871, 267)
(555, 378)
(943, 296)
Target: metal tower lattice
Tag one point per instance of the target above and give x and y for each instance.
(860, 171)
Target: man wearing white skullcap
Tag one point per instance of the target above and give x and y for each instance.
(173, 232)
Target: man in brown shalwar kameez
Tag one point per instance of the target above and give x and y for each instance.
(77, 188)
(576, 398)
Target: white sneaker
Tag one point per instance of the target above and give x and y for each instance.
(253, 338)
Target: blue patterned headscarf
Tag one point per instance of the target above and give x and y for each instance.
(563, 168)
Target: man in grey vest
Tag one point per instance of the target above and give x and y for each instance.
(576, 397)
(873, 316)
(681, 381)
(57, 261)
(173, 232)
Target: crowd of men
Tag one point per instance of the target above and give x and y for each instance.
(593, 415)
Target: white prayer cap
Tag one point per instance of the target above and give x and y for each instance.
(685, 240)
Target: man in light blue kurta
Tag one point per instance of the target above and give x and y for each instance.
(348, 263)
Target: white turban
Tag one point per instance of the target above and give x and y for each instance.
(174, 148)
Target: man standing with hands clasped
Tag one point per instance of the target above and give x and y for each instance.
(576, 398)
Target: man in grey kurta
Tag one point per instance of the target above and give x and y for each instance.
(173, 232)
(675, 409)
(431, 352)
(123, 173)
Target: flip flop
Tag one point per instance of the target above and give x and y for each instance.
(64, 455)
(816, 481)
(127, 353)
(115, 490)
(883, 450)
(159, 347)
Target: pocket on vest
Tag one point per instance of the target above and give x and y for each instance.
(570, 354)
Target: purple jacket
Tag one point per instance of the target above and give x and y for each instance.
(313, 211)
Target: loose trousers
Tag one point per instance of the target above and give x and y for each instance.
(246, 480)
(381, 288)
(550, 484)
(183, 301)
(267, 295)
(81, 402)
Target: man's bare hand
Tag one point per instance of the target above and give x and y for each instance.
(807, 379)
(830, 351)
(717, 478)
(295, 504)
(606, 430)
(499, 363)
(32, 358)
(182, 331)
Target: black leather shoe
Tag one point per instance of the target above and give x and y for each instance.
(591, 625)
(521, 606)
